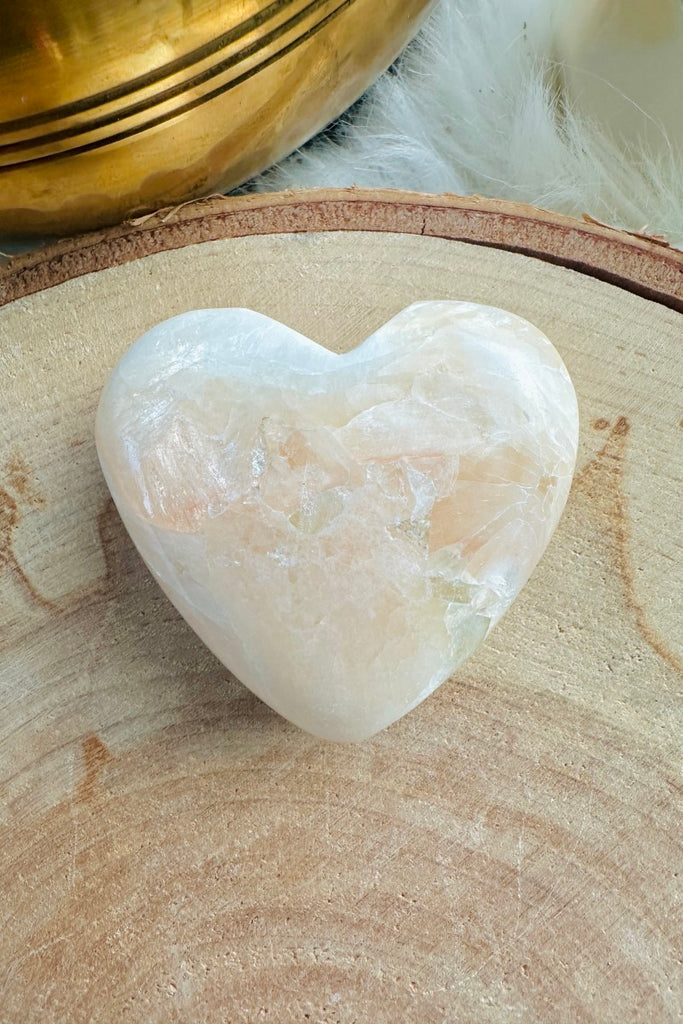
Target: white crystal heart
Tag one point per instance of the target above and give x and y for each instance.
(341, 530)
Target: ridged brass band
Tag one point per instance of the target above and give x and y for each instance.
(326, 10)
(167, 70)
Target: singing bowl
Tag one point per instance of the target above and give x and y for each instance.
(108, 110)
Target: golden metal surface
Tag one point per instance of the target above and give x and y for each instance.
(112, 109)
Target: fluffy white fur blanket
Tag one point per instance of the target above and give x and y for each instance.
(470, 108)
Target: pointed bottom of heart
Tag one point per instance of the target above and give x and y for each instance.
(331, 694)
(341, 530)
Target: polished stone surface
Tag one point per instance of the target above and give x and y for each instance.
(341, 530)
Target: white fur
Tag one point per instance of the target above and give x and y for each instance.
(471, 108)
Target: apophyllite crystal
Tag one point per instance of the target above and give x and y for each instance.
(341, 530)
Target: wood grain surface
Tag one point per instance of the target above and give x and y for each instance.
(170, 849)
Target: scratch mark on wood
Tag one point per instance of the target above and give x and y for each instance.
(520, 861)
(109, 530)
(549, 901)
(13, 967)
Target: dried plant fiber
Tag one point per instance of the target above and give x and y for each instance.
(473, 107)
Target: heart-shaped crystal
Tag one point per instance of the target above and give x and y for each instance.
(341, 530)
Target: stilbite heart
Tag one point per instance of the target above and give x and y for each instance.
(341, 530)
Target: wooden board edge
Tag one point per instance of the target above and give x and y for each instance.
(642, 265)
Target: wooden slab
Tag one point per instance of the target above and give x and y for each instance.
(170, 849)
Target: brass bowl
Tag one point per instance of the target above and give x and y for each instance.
(109, 109)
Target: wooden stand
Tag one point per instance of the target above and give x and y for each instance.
(170, 849)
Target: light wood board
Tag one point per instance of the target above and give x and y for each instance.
(170, 849)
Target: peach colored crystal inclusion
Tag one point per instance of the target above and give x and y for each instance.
(341, 530)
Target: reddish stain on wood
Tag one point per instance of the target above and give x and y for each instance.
(10, 517)
(95, 756)
(18, 476)
(603, 479)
